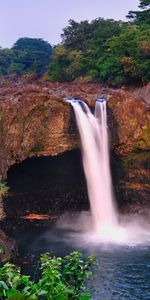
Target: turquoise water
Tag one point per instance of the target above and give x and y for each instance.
(120, 272)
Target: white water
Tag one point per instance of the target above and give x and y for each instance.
(94, 140)
(102, 225)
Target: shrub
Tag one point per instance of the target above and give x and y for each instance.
(59, 279)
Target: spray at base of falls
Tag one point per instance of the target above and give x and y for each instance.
(104, 223)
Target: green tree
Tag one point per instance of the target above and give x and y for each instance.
(77, 35)
(26, 56)
(82, 45)
(33, 54)
(84, 35)
(7, 56)
(59, 63)
(127, 59)
(142, 16)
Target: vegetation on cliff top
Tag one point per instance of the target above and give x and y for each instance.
(28, 55)
(113, 52)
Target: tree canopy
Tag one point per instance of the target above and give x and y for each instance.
(82, 35)
(27, 55)
(82, 45)
(113, 52)
(142, 16)
(108, 51)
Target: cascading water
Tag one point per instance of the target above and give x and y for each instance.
(103, 224)
(94, 140)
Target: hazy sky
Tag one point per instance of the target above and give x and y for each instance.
(46, 18)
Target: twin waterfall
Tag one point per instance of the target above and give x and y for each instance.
(94, 140)
(103, 224)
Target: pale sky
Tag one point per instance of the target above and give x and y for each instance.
(46, 18)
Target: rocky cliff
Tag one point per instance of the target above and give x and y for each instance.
(8, 248)
(36, 121)
(129, 123)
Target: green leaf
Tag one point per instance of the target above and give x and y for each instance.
(61, 297)
(16, 295)
(84, 297)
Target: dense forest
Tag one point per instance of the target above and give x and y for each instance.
(114, 52)
(26, 56)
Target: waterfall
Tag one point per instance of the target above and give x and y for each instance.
(103, 224)
(95, 153)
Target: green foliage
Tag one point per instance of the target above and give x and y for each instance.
(3, 189)
(85, 35)
(144, 3)
(143, 16)
(26, 56)
(67, 65)
(109, 51)
(60, 279)
(127, 57)
(83, 44)
(59, 63)
(7, 56)
(35, 54)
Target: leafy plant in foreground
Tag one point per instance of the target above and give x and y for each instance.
(59, 279)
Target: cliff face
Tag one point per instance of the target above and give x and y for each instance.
(33, 123)
(131, 177)
(36, 121)
(129, 123)
(8, 248)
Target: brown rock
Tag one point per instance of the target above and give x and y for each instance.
(8, 249)
(129, 122)
(36, 121)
